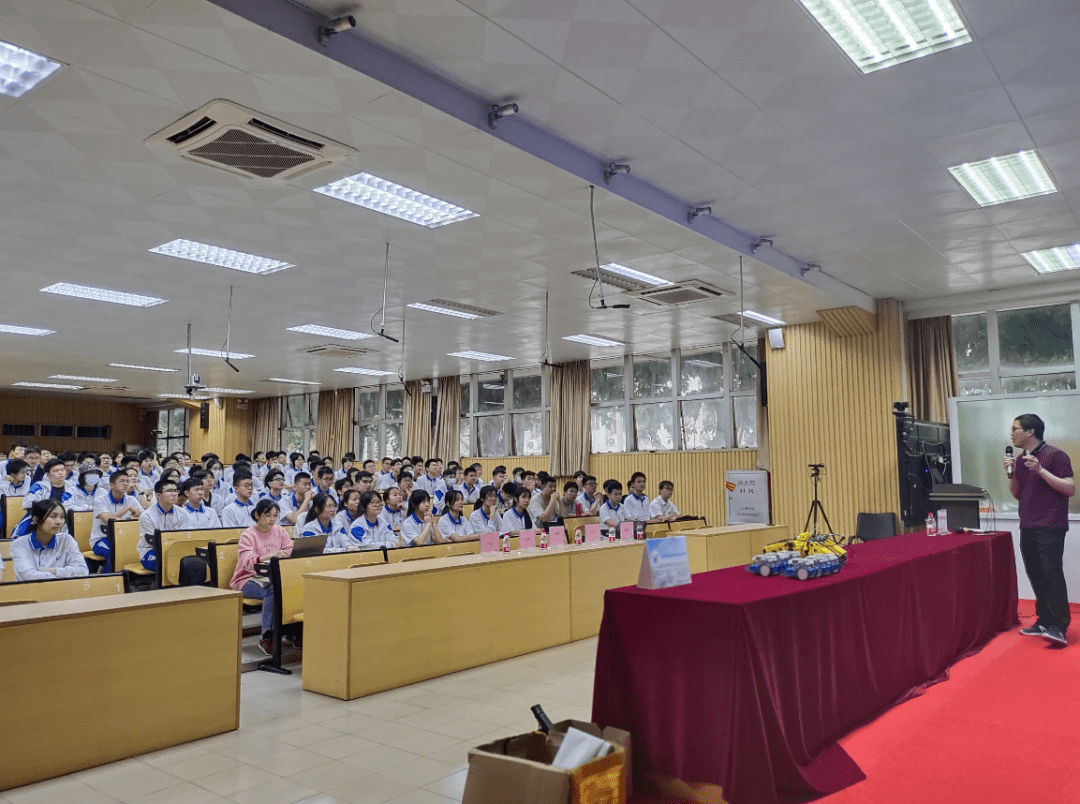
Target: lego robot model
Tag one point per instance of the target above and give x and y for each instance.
(810, 555)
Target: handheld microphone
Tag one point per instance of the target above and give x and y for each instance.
(1008, 469)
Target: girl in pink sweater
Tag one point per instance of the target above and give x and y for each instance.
(264, 540)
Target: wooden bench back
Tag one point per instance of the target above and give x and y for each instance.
(5, 553)
(81, 527)
(689, 524)
(173, 545)
(657, 529)
(123, 544)
(62, 588)
(13, 513)
(433, 551)
(288, 577)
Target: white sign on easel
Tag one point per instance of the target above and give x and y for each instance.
(747, 497)
(664, 563)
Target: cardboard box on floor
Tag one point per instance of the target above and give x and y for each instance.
(518, 769)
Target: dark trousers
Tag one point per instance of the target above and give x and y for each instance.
(1042, 550)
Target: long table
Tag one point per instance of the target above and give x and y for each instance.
(96, 680)
(746, 683)
(376, 628)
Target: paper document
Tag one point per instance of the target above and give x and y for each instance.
(579, 748)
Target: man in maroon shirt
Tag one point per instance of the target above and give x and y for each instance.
(1042, 481)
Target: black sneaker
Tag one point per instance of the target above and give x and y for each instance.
(1033, 630)
(1054, 635)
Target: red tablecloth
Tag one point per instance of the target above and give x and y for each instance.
(748, 682)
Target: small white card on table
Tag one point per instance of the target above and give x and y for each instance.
(664, 563)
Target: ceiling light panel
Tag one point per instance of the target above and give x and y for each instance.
(630, 273)
(765, 319)
(13, 330)
(330, 332)
(227, 391)
(592, 340)
(181, 395)
(291, 382)
(21, 70)
(223, 257)
(81, 379)
(1004, 178)
(214, 353)
(366, 371)
(380, 195)
(103, 295)
(49, 385)
(482, 356)
(1052, 260)
(432, 308)
(140, 368)
(876, 34)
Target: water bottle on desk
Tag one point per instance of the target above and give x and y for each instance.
(931, 524)
(506, 542)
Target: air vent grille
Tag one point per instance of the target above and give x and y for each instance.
(57, 431)
(191, 131)
(464, 308)
(20, 430)
(280, 132)
(239, 150)
(680, 294)
(613, 279)
(336, 351)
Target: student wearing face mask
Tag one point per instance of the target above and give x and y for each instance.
(84, 491)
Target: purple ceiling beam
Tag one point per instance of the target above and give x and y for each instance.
(353, 50)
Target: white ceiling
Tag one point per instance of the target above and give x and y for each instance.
(745, 105)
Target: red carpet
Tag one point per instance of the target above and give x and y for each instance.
(1004, 729)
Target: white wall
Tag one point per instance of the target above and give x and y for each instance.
(1072, 556)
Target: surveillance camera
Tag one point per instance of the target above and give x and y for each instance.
(342, 24)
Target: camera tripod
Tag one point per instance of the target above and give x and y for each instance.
(816, 506)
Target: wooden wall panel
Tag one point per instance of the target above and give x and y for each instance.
(231, 430)
(830, 402)
(130, 424)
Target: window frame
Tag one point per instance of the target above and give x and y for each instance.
(173, 443)
(508, 410)
(309, 428)
(382, 419)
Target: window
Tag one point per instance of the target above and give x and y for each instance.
(1016, 351)
(172, 431)
(700, 399)
(301, 418)
(379, 411)
(504, 413)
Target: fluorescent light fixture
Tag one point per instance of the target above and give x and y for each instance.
(82, 379)
(592, 340)
(49, 385)
(431, 308)
(13, 330)
(101, 294)
(214, 353)
(630, 273)
(291, 382)
(1052, 260)
(330, 332)
(182, 395)
(21, 70)
(223, 257)
(1004, 178)
(471, 355)
(380, 195)
(140, 368)
(765, 319)
(358, 370)
(227, 391)
(703, 363)
(876, 34)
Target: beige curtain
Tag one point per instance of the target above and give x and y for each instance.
(446, 441)
(569, 431)
(931, 367)
(335, 422)
(267, 419)
(416, 429)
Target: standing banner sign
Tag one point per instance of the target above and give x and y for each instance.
(747, 497)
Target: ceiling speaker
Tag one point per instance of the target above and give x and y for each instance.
(776, 338)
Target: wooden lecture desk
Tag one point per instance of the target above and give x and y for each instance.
(96, 680)
(728, 545)
(377, 628)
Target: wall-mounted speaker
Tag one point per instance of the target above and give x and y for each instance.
(776, 338)
(204, 416)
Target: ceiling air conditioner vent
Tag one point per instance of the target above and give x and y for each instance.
(335, 350)
(229, 137)
(679, 294)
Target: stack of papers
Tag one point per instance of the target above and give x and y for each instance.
(579, 748)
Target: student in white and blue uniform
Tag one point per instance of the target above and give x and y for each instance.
(51, 487)
(348, 511)
(454, 525)
(274, 489)
(517, 517)
(385, 478)
(636, 503)
(612, 510)
(198, 515)
(433, 484)
(368, 531)
(486, 517)
(162, 515)
(320, 517)
(589, 500)
(84, 491)
(419, 528)
(347, 461)
(47, 551)
(16, 481)
(237, 513)
(148, 474)
(662, 508)
(470, 489)
(393, 513)
(116, 503)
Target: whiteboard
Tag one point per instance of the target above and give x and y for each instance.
(747, 496)
(979, 431)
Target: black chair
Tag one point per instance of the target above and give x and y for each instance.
(871, 527)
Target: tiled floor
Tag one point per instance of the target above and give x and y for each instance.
(406, 746)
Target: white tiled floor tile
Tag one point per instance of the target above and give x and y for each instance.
(375, 757)
(420, 772)
(279, 791)
(183, 793)
(352, 722)
(202, 767)
(384, 709)
(421, 797)
(342, 745)
(128, 779)
(286, 764)
(332, 774)
(453, 787)
(33, 793)
(234, 780)
(308, 735)
(372, 789)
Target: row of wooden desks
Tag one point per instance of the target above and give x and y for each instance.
(381, 627)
